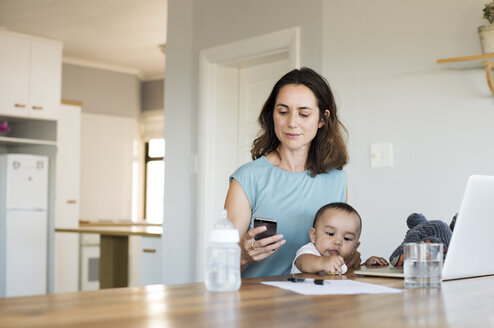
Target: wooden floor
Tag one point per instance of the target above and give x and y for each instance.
(460, 303)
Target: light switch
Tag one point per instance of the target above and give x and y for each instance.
(381, 154)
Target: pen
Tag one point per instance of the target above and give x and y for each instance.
(316, 281)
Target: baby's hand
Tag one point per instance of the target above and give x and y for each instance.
(375, 260)
(333, 264)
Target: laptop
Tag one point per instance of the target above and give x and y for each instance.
(472, 242)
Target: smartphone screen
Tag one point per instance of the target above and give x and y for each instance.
(270, 225)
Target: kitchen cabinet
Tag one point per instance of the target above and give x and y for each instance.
(28, 132)
(67, 197)
(30, 76)
(60, 141)
(150, 261)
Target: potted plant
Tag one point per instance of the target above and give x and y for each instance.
(486, 32)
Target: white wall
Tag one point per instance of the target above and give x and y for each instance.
(178, 233)
(110, 150)
(194, 25)
(380, 57)
(102, 91)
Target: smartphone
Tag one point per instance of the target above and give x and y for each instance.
(270, 225)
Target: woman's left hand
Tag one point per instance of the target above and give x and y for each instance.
(354, 261)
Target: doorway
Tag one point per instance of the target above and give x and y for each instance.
(235, 80)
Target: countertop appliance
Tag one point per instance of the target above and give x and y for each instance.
(23, 224)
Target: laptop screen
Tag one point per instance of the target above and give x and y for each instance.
(472, 243)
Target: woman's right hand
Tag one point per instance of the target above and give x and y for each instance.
(240, 213)
(257, 250)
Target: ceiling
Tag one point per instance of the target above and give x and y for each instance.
(122, 35)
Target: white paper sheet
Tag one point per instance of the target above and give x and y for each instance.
(332, 287)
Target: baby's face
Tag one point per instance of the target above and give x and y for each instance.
(336, 232)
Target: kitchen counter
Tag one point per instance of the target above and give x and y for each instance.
(117, 223)
(116, 230)
(114, 249)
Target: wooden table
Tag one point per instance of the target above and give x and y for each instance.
(460, 303)
(114, 249)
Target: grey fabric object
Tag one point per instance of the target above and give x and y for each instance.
(453, 222)
(415, 219)
(421, 230)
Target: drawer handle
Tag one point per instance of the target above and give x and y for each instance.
(71, 201)
(38, 107)
(148, 250)
(20, 105)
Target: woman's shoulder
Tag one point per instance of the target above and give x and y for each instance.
(249, 175)
(253, 167)
(334, 173)
(338, 172)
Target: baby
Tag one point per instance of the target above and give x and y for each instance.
(334, 239)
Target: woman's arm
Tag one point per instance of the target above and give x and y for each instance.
(238, 207)
(354, 261)
(239, 213)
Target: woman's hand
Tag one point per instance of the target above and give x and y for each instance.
(257, 250)
(354, 261)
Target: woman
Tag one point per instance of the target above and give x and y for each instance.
(296, 168)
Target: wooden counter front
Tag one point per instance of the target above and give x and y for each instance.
(460, 303)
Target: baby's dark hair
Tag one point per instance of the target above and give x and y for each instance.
(341, 207)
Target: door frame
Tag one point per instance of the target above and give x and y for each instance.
(210, 61)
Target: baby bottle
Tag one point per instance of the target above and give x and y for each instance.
(223, 257)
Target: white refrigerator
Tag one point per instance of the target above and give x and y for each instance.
(23, 224)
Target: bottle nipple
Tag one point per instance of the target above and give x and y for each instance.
(223, 222)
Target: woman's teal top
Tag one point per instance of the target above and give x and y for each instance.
(292, 199)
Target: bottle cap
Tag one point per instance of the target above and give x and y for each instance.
(223, 231)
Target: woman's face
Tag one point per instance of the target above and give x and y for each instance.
(296, 117)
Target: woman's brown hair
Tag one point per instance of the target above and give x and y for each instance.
(327, 150)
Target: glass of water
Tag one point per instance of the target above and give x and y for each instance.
(423, 265)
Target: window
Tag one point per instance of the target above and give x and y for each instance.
(154, 177)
